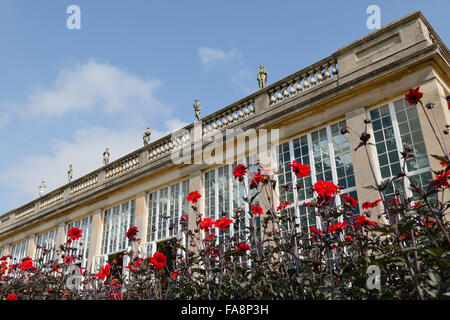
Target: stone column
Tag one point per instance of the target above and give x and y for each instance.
(141, 216)
(195, 184)
(60, 238)
(96, 237)
(31, 247)
(363, 174)
(434, 92)
(261, 102)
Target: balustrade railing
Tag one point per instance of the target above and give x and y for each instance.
(84, 184)
(305, 80)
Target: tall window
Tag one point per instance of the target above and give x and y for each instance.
(328, 154)
(165, 209)
(394, 125)
(116, 222)
(224, 195)
(18, 251)
(45, 246)
(81, 245)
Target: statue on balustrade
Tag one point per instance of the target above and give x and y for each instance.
(262, 77)
(41, 188)
(197, 108)
(69, 173)
(146, 136)
(106, 157)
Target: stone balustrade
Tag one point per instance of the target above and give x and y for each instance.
(228, 116)
(51, 199)
(167, 144)
(304, 80)
(122, 166)
(84, 184)
(24, 212)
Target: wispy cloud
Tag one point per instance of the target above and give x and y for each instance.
(244, 80)
(84, 151)
(94, 85)
(211, 56)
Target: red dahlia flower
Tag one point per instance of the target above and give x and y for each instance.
(193, 196)
(243, 247)
(367, 204)
(413, 96)
(325, 189)
(240, 171)
(283, 205)
(257, 210)
(158, 260)
(223, 223)
(350, 201)
(300, 170)
(74, 233)
(131, 233)
(11, 297)
(206, 224)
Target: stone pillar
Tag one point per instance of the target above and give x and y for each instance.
(261, 102)
(31, 247)
(195, 184)
(60, 237)
(141, 216)
(363, 174)
(96, 237)
(433, 92)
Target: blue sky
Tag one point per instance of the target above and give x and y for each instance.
(66, 95)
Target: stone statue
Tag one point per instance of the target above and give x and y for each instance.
(146, 136)
(262, 77)
(41, 188)
(106, 157)
(69, 173)
(197, 108)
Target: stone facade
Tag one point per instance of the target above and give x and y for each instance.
(368, 76)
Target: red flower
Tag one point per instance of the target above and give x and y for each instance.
(243, 247)
(257, 210)
(349, 238)
(68, 259)
(11, 297)
(158, 260)
(4, 257)
(338, 226)
(417, 204)
(223, 223)
(116, 295)
(175, 274)
(413, 96)
(27, 264)
(367, 204)
(193, 196)
(74, 233)
(325, 189)
(283, 205)
(206, 224)
(300, 170)
(441, 179)
(350, 201)
(240, 171)
(362, 221)
(131, 233)
(104, 272)
(257, 179)
(315, 234)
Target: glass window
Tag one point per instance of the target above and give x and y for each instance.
(81, 245)
(18, 251)
(165, 209)
(395, 125)
(327, 152)
(116, 222)
(45, 246)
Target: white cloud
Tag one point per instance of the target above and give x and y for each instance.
(94, 85)
(210, 56)
(84, 151)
